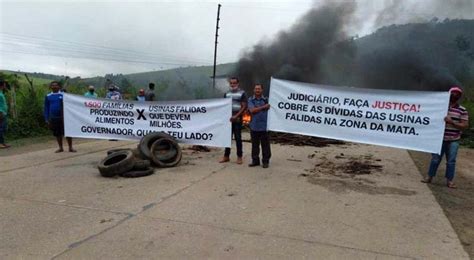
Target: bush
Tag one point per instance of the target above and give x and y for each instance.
(29, 121)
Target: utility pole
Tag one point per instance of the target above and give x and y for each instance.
(215, 46)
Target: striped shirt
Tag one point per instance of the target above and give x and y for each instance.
(458, 114)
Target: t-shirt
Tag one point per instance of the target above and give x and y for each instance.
(259, 119)
(88, 94)
(53, 106)
(237, 98)
(115, 95)
(150, 95)
(458, 114)
(3, 104)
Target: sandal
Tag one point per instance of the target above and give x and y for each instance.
(451, 185)
(427, 180)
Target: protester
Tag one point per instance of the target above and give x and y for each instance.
(91, 92)
(141, 95)
(456, 120)
(150, 93)
(239, 105)
(3, 115)
(258, 107)
(53, 114)
(113, 93)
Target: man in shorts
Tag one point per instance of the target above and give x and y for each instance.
(53, 114)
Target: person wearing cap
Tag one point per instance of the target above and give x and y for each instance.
(456, 121)
(91, 92)
(113, 93)
(3, 115)
(141, 95)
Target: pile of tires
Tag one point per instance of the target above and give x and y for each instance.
(156, 149)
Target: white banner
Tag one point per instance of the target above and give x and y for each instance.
(403, 119)
(199, 122)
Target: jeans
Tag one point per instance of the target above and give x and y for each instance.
(260, 137)
(450, 148)
(237, 132)
(3, 130)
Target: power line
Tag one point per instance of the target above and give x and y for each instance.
(91, 54)
(96, 58)
(118, 51)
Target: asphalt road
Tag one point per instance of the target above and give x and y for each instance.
(306, 205)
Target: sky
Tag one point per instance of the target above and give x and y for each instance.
(93, 38)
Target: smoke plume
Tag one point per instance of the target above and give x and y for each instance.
(318, 49)
(296, 54)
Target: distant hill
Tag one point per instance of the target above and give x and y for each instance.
(426, 56)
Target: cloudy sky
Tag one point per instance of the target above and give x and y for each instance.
(90, 38)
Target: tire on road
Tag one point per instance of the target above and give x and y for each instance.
(116, 163)
(141, 165)
(138, 173)
(117, 150)
(146, 142)
(171, 162)
(165, 151)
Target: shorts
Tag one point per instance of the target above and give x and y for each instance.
(57, 126)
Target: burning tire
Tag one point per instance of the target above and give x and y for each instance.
(166, 152)
(147, 141)
(116, 163)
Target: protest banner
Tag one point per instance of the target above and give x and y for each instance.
(402, 119)
(199, 122)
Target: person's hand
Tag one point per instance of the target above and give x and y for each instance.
(449, 120)
(233, 118)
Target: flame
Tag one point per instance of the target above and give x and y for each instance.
(246, 118)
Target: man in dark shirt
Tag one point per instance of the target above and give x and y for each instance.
(53, 115)
(258, 108)
(150, 93)
(239, 104)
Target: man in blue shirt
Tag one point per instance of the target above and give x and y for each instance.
(53, 115)
(258, 107)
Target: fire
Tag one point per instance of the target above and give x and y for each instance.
(246, 118)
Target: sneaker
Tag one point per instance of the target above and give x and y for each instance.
(265, 165)
(253, 164)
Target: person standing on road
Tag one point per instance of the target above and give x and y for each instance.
(258, 107)
(91, 92)
(3, 115)
(150, 93)
(456, 120)
(239, 105)
(53, 114)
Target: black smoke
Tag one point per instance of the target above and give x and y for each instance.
(296, 54)
(317, 49)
